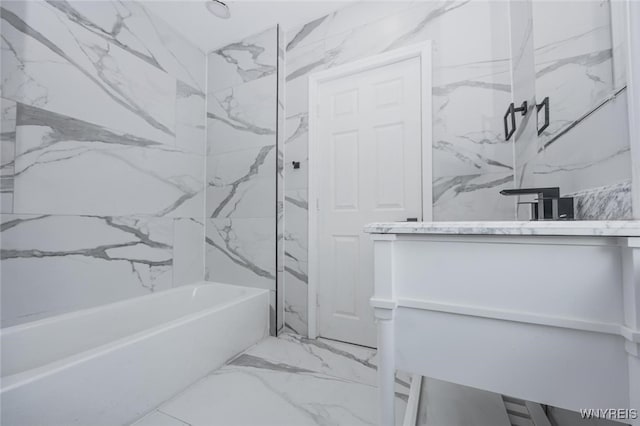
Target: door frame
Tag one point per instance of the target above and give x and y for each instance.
(423, 52)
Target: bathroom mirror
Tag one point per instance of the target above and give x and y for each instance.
(575, 65)
(571, 69)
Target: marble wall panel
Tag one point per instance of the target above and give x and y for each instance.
(592, 154)
(241, 251)
(107, 106)
(7, 153)
(465, 197)
(52, 62)
(249, 59)
(132, 27)
(190, 119)
(343, 20)
(574, 63)
(296, 266)
(244, 164)
(67, 166)
(169, 50)
(188, 251)
(296, 147)
(280, 300)
(619, 43)
(242, 117)
(586, 146)
(242, 183)
(55, 264)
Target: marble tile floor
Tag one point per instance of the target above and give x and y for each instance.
(289, 380)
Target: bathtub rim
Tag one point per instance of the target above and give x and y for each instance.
(10, 382)
(80, 312)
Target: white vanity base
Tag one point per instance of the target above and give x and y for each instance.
(547, 318)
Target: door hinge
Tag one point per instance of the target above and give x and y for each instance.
(317, 204)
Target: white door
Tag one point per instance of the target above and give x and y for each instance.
(369, 147)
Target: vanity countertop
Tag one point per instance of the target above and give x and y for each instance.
(604, 228)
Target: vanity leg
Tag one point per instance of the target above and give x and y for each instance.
(384, 306)
(634, 381)
(631, 297)
(386, 366)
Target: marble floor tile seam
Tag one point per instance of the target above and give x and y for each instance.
(159, 407)
(302, 391)
(173, 417)
(246, 369)
(302, 340)
(344, 350)
(270, 369)
(231, 363)
(289, 369)
(275, 359)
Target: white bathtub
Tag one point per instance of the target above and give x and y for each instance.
(111, 364)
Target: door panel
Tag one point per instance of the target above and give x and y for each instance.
(389, 159)
(369, 131)
(345, 171)
(345, 254)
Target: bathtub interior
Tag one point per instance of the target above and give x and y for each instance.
(31, 345)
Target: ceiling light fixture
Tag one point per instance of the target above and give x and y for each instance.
(218, 8)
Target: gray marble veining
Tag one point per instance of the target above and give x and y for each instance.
(131, 27)
(462, 184)
(241, 251)
(234, 253)
(235, 121)
(245, 163)
(246, 360)
(99, 260)
(190, 118)
(240, 184)
(440, 9)
(611, 202)
(573, 63)
(65, 128)
(589, 156)
(295, 259)
(103, 144)
(7, 154)
(242, 117)
(246, 60)
(53, 146)
(465, 197)
(257, 71)
(287, 380)
(107, 252)
(96, 62)
(109, 33)
(600, 228)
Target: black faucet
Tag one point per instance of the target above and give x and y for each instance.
(549, 202)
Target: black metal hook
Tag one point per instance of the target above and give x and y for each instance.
(544, 104)
(522, 109)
